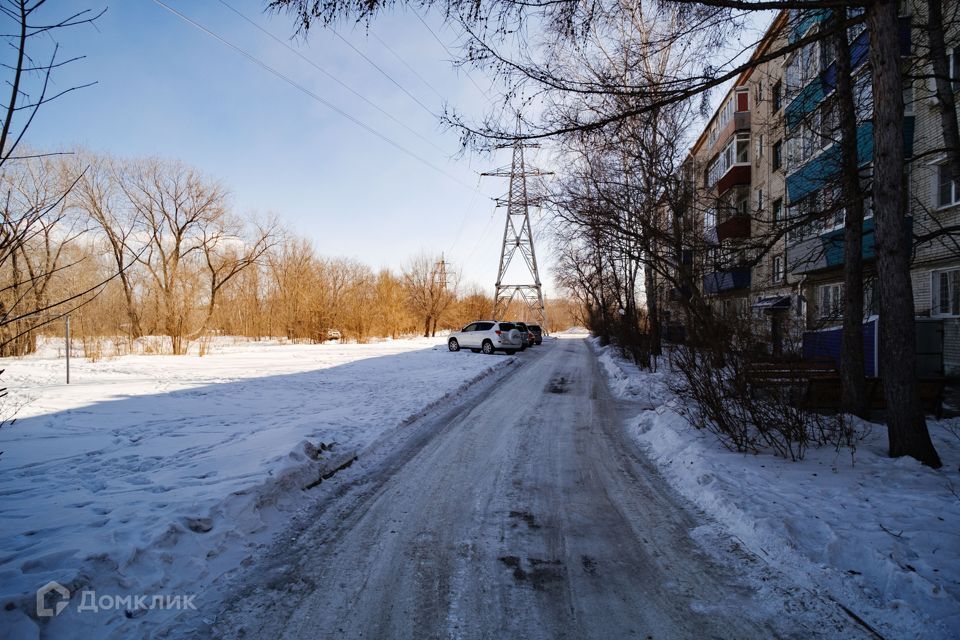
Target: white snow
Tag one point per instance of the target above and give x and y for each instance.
(155, 474)
(880, 535)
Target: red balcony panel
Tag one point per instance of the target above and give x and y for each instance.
(736, 175)
(734, 227)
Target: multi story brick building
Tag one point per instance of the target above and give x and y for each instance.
(766, 202)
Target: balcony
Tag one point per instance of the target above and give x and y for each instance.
(826, 250)
(741, 121)
(738, 174)
(725, 280)
(735, 226)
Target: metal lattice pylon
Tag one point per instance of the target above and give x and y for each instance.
(518, 238)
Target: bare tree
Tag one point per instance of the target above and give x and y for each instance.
(180, 217)
(428, 295)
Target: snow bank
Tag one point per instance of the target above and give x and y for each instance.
(156, 474)
(880, 535)
(627, 380)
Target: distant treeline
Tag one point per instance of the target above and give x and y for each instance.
(137, 247)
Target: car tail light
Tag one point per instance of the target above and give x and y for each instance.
(497, 331)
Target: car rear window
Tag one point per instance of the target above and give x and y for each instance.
(507, 326)
(484, 326)
(535, 327)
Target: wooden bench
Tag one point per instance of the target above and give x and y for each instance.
(931, 395)
(815, 384)
(806, 381)
(825, 393)
(790, 372)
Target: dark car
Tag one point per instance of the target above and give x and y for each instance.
(525, 334)
(536, 332)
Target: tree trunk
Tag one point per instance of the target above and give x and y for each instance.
(653, 310)
(853, 385)
(906, 423)
(946, 104)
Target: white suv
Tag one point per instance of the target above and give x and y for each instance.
(487, 336)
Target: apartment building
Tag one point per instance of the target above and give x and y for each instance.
(935, 203)
(767, 203)
(738, 172)
(815, 249)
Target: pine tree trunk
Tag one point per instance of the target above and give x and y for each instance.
(853, 385)
(653, 310)
(906, 423)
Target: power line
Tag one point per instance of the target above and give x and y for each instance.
(384, 73)
(332, 77)
(450, 53)
(407, 65)
(313, 95)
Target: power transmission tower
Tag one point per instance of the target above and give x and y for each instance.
(440, 273)
(518, 237)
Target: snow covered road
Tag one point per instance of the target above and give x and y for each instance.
(158, 474)
(524, 510)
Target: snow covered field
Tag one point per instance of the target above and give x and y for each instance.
(881, 536)
(154, 474)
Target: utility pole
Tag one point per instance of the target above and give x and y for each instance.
(518, 237)
(67, 341)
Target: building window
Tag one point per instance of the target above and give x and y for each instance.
(777, 96)
(737, 151)
(834, 208)
(858, 28)
(831, 301)
(758, 151)
(709, 219)
(945, 292)
(863, 96)
(743, 205)
(743, 100)
(758, 98)
(948, 191)
(806, 218)
(777, 154)
(759, 200)
(802, 68)
(778, 268)
(777, 212)
(743, 148)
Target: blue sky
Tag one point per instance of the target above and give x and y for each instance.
(165, 88)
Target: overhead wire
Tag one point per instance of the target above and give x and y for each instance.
(408, 66)
(383, 73)
(450, 53)
(332, 76)
(314, 96)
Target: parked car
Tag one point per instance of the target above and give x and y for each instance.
(333, 334)
(524, 334)
(487, 336)
(537, 333)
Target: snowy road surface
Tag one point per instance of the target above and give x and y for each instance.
(523, 512)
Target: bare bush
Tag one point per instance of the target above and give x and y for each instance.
(744, 413)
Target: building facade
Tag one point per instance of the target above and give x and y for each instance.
(767, 201)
